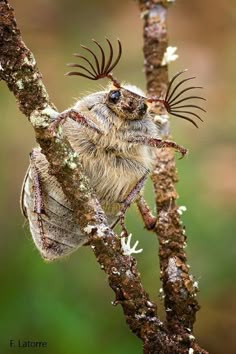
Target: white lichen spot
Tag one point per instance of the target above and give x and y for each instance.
(69, 160)
(1, 68)
(139, 317)
(161, 291)
(169, 55)
(101, 230)
(128, 273)
(35, 76)
(126, 246)
(168, 309)
(30, 61)
(19, 84)
(150, 304)
(59, 131)
(38, 120)
(173, 271)
(115, 271)
(50, 113)
(181, 209)
(166, 242)
(42, 119)
(190, 351)
(89, 228)
(184, 244)
(82, 187)
(191, 337)
(72, 165)
(195, 285)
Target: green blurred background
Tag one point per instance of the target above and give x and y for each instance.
(68, 303)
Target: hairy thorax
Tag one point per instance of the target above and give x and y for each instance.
(112, 166)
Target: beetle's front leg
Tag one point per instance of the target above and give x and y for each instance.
(158, 143)
(77, 117)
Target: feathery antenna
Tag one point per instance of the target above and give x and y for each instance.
(98, 70)
(173, 100)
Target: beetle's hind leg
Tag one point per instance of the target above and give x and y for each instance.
(148, 218)
(133, 194)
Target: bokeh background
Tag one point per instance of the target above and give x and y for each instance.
(68, 303)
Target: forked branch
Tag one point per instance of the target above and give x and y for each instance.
(18, 63)
(19, 71)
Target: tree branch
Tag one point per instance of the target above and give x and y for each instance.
(18, 69)
(178, 285)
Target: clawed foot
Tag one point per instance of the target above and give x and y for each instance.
(60, 120)
(182, 151)
(149, 219)
(121, 220)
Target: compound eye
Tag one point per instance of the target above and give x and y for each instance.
(114, 96)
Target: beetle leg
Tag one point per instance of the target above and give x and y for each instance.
(77, 117)
(127, 202)
(148, 218)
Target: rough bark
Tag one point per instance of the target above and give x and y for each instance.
(18, 69)
(179, 288)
